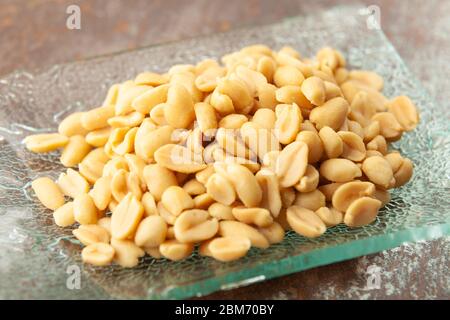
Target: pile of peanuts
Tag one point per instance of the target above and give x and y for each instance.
(226, 156)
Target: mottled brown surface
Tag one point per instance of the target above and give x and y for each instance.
(33, 34)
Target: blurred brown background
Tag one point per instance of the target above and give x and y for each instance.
(33, 34)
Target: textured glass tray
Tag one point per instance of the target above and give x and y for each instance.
(35, 255)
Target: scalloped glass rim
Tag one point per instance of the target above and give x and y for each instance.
(36, 102)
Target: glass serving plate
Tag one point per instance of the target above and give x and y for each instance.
(41, 260)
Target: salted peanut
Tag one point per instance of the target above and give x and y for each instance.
(382, 195)
(45, 142)
(206, 117)
(237, 91)
(126, 217)
(258, 139)
(390, 128)
(339, 170)
(136, 165)
(351, 88)
(187, 80)
(271, 199)
(63, 216)
(220, 211)
(179, 159)
(221, 102)
(308, 126)
(71, 125)
(175, 251)
(371, 131)
(158, 179)
(291, 163)
(105, 223)
(238, 229)
(356, 128)
(127, 253)
(149, 204)
(195, 225)
(179, 110)
(314, 143)
(341, 75)
(203, 201)
(203, 249)
(266, 66)
(181, 68)
(245, 184)
(134, 185)
(99, 137)
(132, 119)
(194, 141)
(331, 114)
(128, 91)
(98, 254)
(292, 94)
(232, 121)
(369, 78)
(232, 144)
(145, 102)
(395, 160)
(282, 58)
(168, 217)
(254, 80)
(378, 144)
(353, 146)
(267, 96)
(274, 233)
(206, 81)
(84, 209)
(328, 56)
(270, 160)
(111, 95)
(48, 193)
(122, 146)
(220, 189)
(329, 189)
(348, 192)
(287, 124)
(175, 199)
(265, 118)
(147, 145)
(379, 171)
(157, 114)
(305, 222)
(101, 193)
(91, 233)
(313, 88)
(287, 197)
(288, 75)
(258, 216)
(112, 205)
(202, 176)
(361, 212)
(229, 248)
(75, 151)
(154, 252)
(332, 90)
(151, 79)
(290, 51)
(312, 200)
(330, 216)
(282, 220)
(373, 153)
(72, 183)
(404, 173)
(151, 232)
(193, 187)
(97, 118)
(361, 110)
(113, 165)
(119, 186)
(309, 181)
(405, 112)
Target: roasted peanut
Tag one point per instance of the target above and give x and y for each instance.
(206, 117)
(353, 146)
(126, 217)
(98, 254)
(309, 181)
(84, 209)
(45, 142)
(203, 201)
(229, 248)
(271, 199)
(194, 226)
(48, 193)
(245, 184)
(305, 222)
(339, 170)
(313, 88)
(101, 193)
(158, 179)
(194, 187)
(63, 216)
(273, 233)
(287, 124)
(151, 79)
(329, 189)
(369, 78)
(71, 125)
(179, 110)
(390, 128)
(232, 121)
(292, 94)
(332, 114)
(379, 171)
(238, 229)
(91, 233)
(361, 212)
(220, 189)
(314, 143)
(258, 216)
(220, 211)
(151, 232)
(145, 102)
(312, 200)
(291, 163)
(174, 250)
(405, 112)
(179, 159)
(404, 173)
(348, 192)
(99, 137)
(288, 75)
(330, 216)
(75, 151)
(175, 199)
(97, 118)
(72, 183)
(127, 253)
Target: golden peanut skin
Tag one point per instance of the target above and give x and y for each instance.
(229, 248)
(362, 212)
(305, 222)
